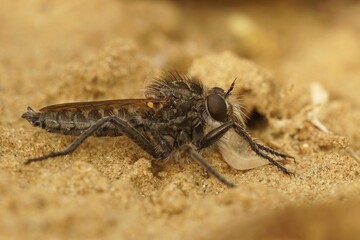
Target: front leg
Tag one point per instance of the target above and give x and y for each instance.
(274, 152)
(257, 148)
(215, 134)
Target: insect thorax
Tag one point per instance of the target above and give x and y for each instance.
(182, 116)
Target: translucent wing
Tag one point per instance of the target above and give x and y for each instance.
(117, 103)
(237, 153)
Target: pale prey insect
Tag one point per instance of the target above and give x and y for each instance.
(177, 113)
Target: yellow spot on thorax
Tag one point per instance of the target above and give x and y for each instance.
(150, 104)
(155, 106)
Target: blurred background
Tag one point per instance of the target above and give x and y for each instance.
(62, 51)
(300, 41)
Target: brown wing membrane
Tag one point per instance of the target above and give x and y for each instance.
(116, 103)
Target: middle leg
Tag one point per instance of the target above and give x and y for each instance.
(196, 156)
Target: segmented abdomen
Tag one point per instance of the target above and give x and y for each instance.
(74, 122)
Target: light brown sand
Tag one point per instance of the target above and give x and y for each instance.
(89, 50)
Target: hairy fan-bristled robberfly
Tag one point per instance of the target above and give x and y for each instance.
(178, 114)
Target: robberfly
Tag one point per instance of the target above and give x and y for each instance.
(178, 114)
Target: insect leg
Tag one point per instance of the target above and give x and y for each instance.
(214, 135)
(125, 127)
(163, 150)
(274, 152)
(254, 146)
(136, 136)
(163, 144)
(196, 156)
(75, 144)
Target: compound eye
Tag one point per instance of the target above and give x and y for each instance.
(216, 107)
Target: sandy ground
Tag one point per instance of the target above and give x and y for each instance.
(298, 68)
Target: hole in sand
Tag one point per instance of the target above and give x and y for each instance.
(257, 121)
